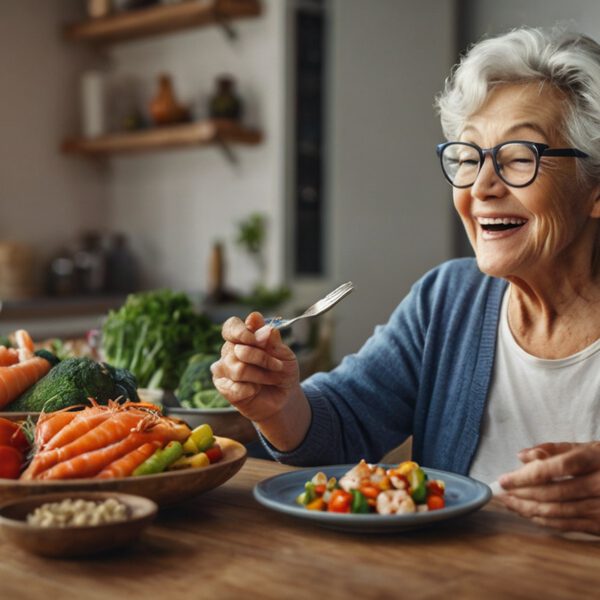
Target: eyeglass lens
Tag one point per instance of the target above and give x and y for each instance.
(516, 163)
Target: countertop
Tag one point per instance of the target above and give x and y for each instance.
(223, 544)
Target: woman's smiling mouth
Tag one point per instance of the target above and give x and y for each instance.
(493, 225)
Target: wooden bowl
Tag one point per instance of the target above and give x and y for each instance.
(168, 488)
(75, 541)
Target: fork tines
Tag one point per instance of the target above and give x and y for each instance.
(342, 289)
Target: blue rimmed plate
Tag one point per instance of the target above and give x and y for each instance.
(463, 495)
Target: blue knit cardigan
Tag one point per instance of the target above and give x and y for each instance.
(426, 373)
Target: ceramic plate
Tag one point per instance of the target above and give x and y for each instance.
(463, 495)
(165, 488)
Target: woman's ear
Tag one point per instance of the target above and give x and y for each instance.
(595, 212)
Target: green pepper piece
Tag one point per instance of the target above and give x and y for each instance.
(359, 502)
(310, 491)
(418, 489)
(419, 495)
(160, 460)
(301, 499)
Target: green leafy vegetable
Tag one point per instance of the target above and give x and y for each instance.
(154, 334)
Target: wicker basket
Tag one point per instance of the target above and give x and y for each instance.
(17, 264)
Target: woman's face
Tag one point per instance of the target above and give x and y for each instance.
(548, 222)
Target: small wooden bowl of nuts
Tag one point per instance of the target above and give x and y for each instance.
(74, 524)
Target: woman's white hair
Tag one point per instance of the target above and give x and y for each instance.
(569, 61)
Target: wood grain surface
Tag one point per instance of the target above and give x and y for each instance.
(224, 544)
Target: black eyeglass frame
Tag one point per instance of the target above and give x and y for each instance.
(539, 150)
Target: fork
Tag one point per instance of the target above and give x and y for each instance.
(318, 308)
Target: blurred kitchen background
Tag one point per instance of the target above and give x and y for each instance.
(242, 151)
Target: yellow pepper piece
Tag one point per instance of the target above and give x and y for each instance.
(196, 461)
(406, 467)
(190, 447)
(180, 463)
(203, 436)
(199, 460)
(317, 504)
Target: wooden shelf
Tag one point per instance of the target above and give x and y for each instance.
(50, 307)
(220, 132)
(162, 19)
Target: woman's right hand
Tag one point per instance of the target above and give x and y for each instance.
(259, 375)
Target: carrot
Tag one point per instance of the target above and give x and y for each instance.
(91, 463)
(8, 356)
(125, 466)
(17, 378)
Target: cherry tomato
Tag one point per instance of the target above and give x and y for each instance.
(10, 462)
(214, 453)
(435, 502)
(11, 434)
(369, 490)
(434, 487)
(340, 501)
(320, 489)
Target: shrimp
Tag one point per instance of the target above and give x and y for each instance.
(48, 424)
(106, 433)
(8, 356)
(91, 463)
(17, 378)
(82, 422)
(122, 421)
(126, 465)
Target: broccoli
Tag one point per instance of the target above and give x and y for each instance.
(196, 388)
(73, 381)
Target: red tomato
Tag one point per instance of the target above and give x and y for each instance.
(434, 502)
(11, 434)
(10, 462)
(340, 501)
(433, 487)
(320, 489)
(214, 453)
(369, 490)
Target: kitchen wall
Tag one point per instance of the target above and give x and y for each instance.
(44, 197)
(391, 210)
(388, 208)
(176, 204)
(487, 16)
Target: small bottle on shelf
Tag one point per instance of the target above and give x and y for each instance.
(225, 103)
(122, 274)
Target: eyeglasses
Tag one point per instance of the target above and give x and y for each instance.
(516, 162)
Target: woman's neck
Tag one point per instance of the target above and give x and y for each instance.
(555, 315)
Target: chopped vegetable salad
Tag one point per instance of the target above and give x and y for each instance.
(367, 488)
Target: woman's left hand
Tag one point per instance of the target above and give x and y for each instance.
(558, 486)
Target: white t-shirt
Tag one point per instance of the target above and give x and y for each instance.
(534, 400)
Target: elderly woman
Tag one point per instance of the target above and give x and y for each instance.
(492, 364)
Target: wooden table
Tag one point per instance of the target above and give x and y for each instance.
(225, 545)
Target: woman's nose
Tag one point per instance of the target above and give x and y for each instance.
(487, 183)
